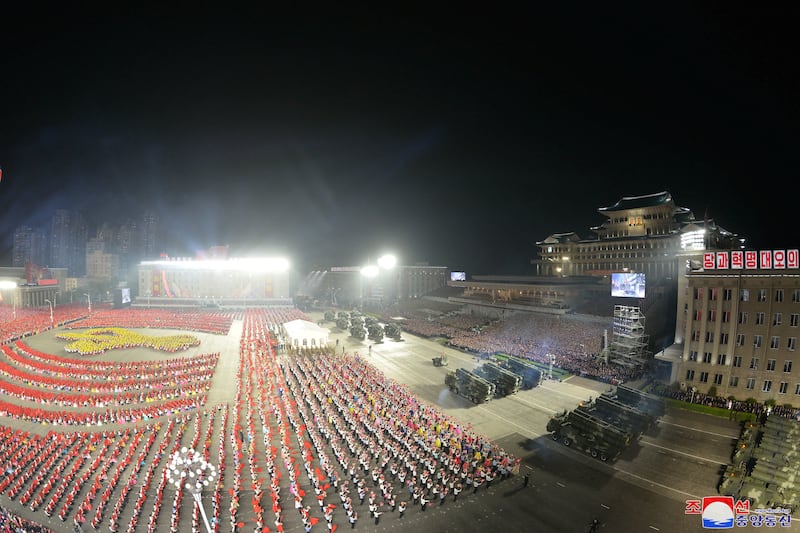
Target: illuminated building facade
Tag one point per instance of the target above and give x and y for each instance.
(195, 282)
(648, 234)
(737, 330)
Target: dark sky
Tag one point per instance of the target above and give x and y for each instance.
(456, 138)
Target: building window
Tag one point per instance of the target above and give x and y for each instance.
(695, 336)
(783, 387)
(762, 295)
(744, 296)
(767, 385)
(771, 365)
(779, 295)
(717, 379)
(727, 295)
(712, 315)
(721, 358)
(712, 294)
(743, 317)
(707, 357)
(723, 338)
(757, 341)
(794, 319)
(692, 355)
(797, 389)
(734, 381)
(751, 384)
(792, 344)
(726, 317)
(796, 296)
(703, 377)
(698, 293)
(690, 375)
(737, 361)
(787, 366)
(754, 363)
(777, 319)
(760, 318)
(709, 336)
(740, 339)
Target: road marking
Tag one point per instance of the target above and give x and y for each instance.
(631, 474)
(699, 430)
(654, 528)
(704, 459)
(560, 484)
(604, 506)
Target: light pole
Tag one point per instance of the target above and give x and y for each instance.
(188, 469)
(89, 299)
(694, 389)
(51, 311)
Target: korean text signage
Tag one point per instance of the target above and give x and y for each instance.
(751, 259)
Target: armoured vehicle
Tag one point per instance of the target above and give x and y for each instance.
(440, 360)
(470, 385)
(505, 381)
(586, 432)
(644, 401)
(622, 415)
(530, 373)
(766, 468)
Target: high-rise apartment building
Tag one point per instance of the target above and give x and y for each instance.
(68, 235)
(30, 246)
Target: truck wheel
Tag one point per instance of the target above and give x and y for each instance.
(555, 437)
(566, 441)
(603, 456)
(593, 452)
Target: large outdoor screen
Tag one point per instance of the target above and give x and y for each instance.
(627, 284)
(458, 276)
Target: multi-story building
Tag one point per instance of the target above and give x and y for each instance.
(150, 241)
(648, 234)
(738, 325)
(68, 235)
(30, 246)
(224, 281)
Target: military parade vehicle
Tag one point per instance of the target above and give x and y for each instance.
(440, 360)
(580, 429)
(651, 404)
(470, 385)
(623, 415)
(505, 381)
(530, 373)
(766, 467)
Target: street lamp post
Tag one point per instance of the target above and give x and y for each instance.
(694, 389)
(89, 299)
(51, 311)
(188, 469)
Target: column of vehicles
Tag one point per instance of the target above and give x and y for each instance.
(605, 427)
(766, 465)
(492, 379)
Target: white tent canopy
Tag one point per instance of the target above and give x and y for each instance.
(302, 333)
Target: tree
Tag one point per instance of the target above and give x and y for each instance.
(342, 323)
(329, 316)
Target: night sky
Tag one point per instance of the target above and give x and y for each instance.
(455, 138)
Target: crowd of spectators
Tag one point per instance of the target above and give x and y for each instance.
(571, 342)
